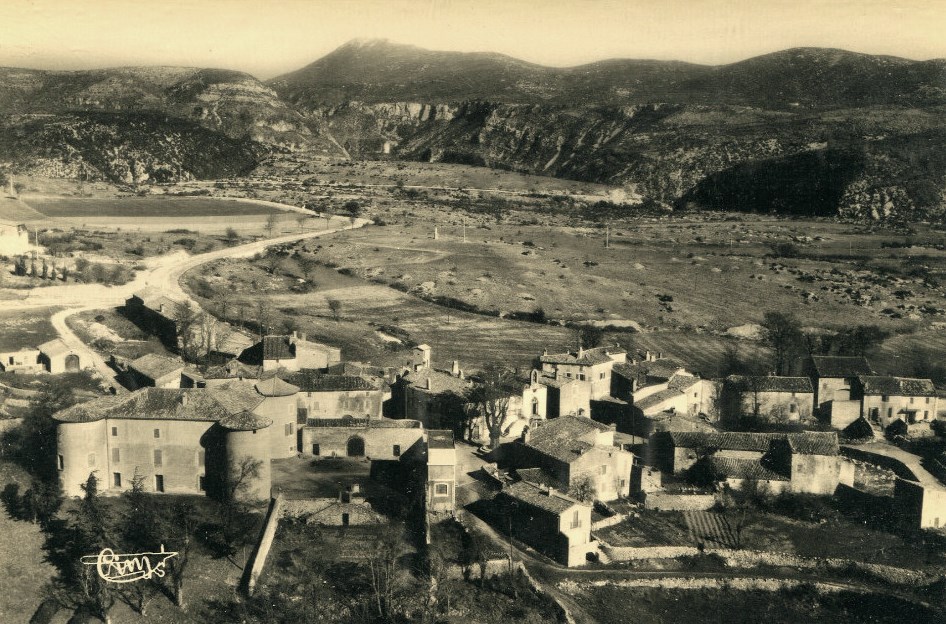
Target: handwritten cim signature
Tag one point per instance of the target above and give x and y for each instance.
(128, 567)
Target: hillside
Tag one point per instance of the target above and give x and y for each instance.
(801, 131)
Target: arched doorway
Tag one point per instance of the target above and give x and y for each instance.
(72, 363)
(356, 447)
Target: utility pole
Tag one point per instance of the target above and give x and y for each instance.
(464, 231)
(436, 233)
(607, 236)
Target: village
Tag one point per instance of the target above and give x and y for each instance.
(596, 458)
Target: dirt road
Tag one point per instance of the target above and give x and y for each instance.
(163, 272)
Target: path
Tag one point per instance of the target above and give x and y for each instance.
(909, 460)
(162, 272)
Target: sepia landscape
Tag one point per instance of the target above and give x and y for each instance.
(406, 335)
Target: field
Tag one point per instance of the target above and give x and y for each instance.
(144, 207)
(23, 329)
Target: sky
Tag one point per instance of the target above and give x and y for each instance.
(270, 37)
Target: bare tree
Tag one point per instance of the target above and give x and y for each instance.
(490, 394)
(271, 222)
(583, 489)
(187, 317)
(384, 573)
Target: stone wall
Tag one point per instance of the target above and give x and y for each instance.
(257, 560)
(332, 511)
(678, 502)
(379, 442)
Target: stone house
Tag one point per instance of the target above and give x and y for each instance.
(441, 492)
(374, 438)
(58, 357)
(337, 396)
(551, 522)
(590, 367)
(683, 393)
(291, 353)
(434, 397)
(648, 369)
(179, 441)
(565, 396)
(885, 399)
(571, 448)
(525, 409)
(770, 397)
(22, 361)
(833, 377)
(156, 371)
(806, 462)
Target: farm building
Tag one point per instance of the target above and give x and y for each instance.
(22, 361)
(565, 395)
(58, 357)
(524, 409)
(922, 505)
(649, 370)
(797, 462)
(156, 313)
(374, 438)
(433, 397)
(337, 396)
(590, 367)
(571, 448)
(885, 400)
(551, 522)
(441, 472)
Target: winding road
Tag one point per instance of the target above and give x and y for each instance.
(163, 272)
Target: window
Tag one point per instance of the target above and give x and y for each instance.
(345, 519)
(11, 359)
(884, 398)
(576, 521)
(927, 400)
(889, 412)
(603, 469)
(116, 454)
(315, 449)
(792, 408)
(158, 483)
(623, 483)
(288, 429)
(201, 483)
(441, 489)
(117, 479)
(602, 376)
(911, 400)
(302, 414)
(61, 462)
(201, 457)
(926, 414)
(91, 459)
(397, 450)
(158, 457)
(157, 433)
(535, 406)
(581, 376)
(114, 431)
(569, 375)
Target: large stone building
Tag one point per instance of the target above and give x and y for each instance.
(794, 462)
(570, 449)
(769, 397)
(291, 353)
(833, 377)
(156, 313)
(177, 441)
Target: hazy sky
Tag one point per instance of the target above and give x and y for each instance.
(268, 37)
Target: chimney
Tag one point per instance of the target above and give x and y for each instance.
(581, 352)
(545, 351)
(455, 370)
(462, 376)
(184, 399)
(302, 337)
(295, 334)
(428, 383)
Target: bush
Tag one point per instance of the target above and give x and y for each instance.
(783, 249)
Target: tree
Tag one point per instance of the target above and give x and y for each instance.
(384, 574)
(187, 317)
(184, 524)
(335, 307)
(307, 266)
(92, 534)
(583, 489)
(782, 333)
(353, 208)
(140, 532)
(231, 235)
(590, 336)
(490, 395)
(271, 222)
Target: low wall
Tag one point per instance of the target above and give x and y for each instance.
(678, 502)
(885, 461)
(606, 522)
(257, 560)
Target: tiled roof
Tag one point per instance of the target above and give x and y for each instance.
(199, 404)
(738, 468)
(309, 380)
(663, 368)
(155, 366)
(840, 366)
(682, 382)
(806, 443)
(655, 399)
(552, 382)
(540, 498)
(54, 347)
(232, 341)
(278, 348)
(771, 383)
(371, 423)
(536, 476)
(275, 387)
(440, 381)
(154, 298)
(561, 437)
(245, 421)
(234, 369)
(440, 439)
(586, 357)
(897, 386)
